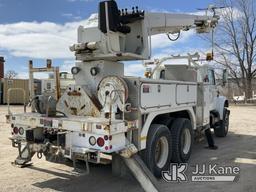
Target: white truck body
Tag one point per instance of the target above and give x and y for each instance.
(106, 112)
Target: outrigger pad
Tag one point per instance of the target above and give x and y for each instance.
(21, 165)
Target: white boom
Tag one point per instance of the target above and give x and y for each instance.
(124, 35)
(159, 23)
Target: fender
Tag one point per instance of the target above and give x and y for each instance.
(152, 115)
(220, 104)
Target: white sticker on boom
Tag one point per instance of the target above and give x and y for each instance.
(55, 123)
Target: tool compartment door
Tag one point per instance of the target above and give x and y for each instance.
(185, 94)
(155, 95)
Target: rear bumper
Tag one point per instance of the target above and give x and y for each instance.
(72, 134)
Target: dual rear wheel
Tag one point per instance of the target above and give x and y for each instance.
(168, 143)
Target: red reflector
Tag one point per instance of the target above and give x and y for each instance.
(110, 147)
(100, 142)
(15, 130)
(106, 137)
(146, 88)
(110, 137)
(106, 148)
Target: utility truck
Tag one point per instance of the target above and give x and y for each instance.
(106, 113)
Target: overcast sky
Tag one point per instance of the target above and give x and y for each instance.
(41, 29)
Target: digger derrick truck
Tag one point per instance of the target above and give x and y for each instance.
(106, 113)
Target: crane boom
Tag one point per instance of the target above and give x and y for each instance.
(159, 23)
(124, 35)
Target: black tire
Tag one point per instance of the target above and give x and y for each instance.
(158, 136)
(182, 140)
(167, 122)
(222, 129)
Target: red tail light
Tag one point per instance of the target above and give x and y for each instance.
(100, 142)
(106, 137)
(15, 130)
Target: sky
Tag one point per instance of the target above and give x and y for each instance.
(44, 29)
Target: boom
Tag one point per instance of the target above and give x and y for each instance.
(125, 35)
(159, 23)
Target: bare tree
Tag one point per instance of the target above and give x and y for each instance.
(11, 74)
(235, 42)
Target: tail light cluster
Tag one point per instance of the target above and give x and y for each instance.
(21, 131)
(100, 141)
(92, 140)
(17, 130)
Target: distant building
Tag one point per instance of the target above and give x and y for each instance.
(231, 89)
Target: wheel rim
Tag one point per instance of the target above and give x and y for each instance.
(161, 152)
(185, 141)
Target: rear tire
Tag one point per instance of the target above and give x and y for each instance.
(157, 154)
(167, 122)
(182, 140)
(222, 129)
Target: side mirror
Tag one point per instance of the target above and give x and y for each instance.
(224, 77)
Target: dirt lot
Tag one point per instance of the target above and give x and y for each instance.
(239, 148)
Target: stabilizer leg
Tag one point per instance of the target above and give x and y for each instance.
(78, 171)
(24, 157)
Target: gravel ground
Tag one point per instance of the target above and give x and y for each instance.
(238, 148)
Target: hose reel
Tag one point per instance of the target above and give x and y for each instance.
(112, 94)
